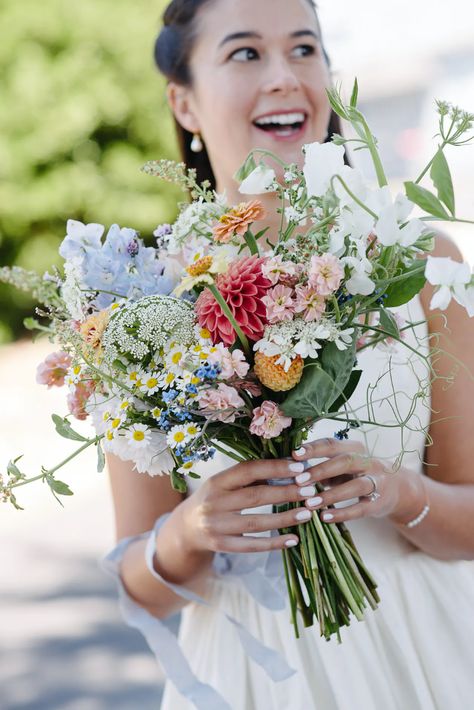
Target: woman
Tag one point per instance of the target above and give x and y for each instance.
(253, 73)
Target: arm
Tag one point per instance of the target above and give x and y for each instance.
(206, 522)
(448, 530)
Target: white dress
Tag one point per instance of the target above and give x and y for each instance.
(415, 652)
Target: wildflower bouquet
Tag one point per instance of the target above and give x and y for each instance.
(226, 338)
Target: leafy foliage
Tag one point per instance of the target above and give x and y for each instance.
(82, 110)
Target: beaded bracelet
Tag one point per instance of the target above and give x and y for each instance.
(422, 515)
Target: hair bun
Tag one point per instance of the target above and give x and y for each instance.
(167, 50)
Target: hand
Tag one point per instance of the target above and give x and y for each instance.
(345, 471)
(212, 515)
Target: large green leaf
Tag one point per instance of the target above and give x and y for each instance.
(403, 291)
(441, 176)
(349, 390)
(388, 323)
(64, 429)
(426, 200)
(323, 383)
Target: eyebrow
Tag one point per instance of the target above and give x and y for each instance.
(254, 35)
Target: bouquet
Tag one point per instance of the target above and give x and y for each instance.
(220, 339)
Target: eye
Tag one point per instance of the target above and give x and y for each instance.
(304, 50)
(246, 54)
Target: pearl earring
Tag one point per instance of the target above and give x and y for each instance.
(196, 143)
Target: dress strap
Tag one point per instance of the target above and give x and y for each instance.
(164, 643)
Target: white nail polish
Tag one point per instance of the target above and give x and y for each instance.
(303, 477)
(296, 467)
(300, 451)
(312, 502)
(327, 516)
(303, 515)
(291, 543)
(307, 491)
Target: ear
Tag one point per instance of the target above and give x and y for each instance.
(181, 102)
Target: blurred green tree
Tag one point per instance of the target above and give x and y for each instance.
(82, 109)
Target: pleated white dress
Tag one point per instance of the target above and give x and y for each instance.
(415, 652)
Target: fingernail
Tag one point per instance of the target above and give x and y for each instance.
(303, 515)
(312, 502)
(307, 491)
(291, 543)
(303, 477)
(296, 467)
(327, 516)
(300, 451)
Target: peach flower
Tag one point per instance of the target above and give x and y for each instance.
(238, 220)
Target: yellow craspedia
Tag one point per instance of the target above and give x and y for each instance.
(274, 376)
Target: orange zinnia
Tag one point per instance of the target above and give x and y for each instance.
(237, 221)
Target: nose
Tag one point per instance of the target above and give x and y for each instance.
(280, 77)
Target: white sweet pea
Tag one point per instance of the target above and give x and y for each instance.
(359, 282)
(451, 277)
(464, 295)
(322, 162)
(260, 180)
(356, 184)
(389, 232)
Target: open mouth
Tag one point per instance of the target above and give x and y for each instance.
(282, 125)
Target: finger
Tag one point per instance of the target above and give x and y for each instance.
(249, 543)
(257, 496)
(357, 488)
(348, 463)
(349, 512)
(237, 524)
(250, 472)
(326, 448)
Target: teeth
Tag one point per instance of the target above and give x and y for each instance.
(283, 119)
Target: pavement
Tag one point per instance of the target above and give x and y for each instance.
(63, 645)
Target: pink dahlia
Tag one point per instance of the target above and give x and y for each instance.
(268, 420)
(54, 369)
(243, 286)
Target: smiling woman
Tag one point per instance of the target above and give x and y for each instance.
(245, 75)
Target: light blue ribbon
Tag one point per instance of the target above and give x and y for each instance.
(262, 576)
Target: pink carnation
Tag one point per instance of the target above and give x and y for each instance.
(78, 398)
(54, 369)
(275, 269)
(309, 302)
(325, 274)
(220, 403)
(231, 362)
(279, 304)
(268, 420)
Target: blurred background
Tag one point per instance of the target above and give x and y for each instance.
(81, 110)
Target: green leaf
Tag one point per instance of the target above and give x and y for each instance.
(401, 292)
(13, 470)
(441, 176)
(322, 383)
(13, 501)
(178, 482)
(388, 323)
(100, 458)
(349, 390)
(248, 167)
(355, 94)
(426, 200)
(65, 430)
(59, 487)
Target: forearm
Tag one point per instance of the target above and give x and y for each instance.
(447, 532)
(174, 561)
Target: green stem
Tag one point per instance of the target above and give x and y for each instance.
(50, 472)
(381, 177)
(251, 242)
(354, 197)
(230, 317)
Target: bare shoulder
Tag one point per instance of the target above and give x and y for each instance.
(138, 499)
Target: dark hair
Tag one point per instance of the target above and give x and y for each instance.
(173, 48)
